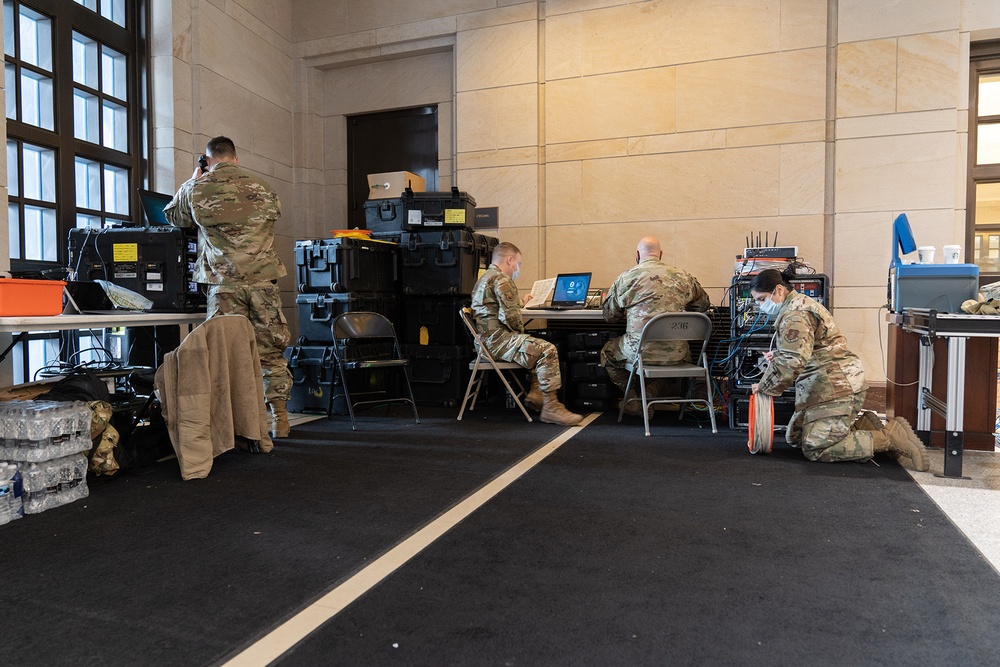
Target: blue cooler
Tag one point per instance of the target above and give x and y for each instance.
(942, 287)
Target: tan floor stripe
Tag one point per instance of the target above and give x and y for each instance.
(297, 628)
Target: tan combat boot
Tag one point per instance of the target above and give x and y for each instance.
(279, 419)
(534, 398)
(897, 436)
(554, 412)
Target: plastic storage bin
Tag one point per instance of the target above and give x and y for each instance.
(317, 312)
(443, 262)
(26, 298)
(346, 265)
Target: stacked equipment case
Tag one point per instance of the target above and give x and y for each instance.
(157, 262)
(335, 276)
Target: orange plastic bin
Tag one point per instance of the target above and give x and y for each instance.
(21, 297)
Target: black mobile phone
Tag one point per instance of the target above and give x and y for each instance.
(203, 162)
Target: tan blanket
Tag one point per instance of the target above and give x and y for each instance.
(211, 391)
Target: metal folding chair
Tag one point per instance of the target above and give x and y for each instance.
(364, 341)
(482, 364)
(672, 327)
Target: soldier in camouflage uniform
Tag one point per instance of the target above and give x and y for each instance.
(638, 295)
(235, 212)
(497, 311)
(829, 381)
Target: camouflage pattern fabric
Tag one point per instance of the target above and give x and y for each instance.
(812, 354)
(824, 433)
(637, 295)
(261, 304)
(235, 212)
(105, 438)
(497, 311)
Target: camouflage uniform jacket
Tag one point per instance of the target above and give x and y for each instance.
(649, 289)
(235, 212)
(496, 307)
(812, 354)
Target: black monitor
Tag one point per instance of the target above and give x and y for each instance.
(153, 204)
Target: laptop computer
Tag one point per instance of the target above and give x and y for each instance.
(570, 292)
(153, 204)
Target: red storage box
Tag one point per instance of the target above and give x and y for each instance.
(20, 297)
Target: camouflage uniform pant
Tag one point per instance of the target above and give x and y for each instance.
(824, 431)
(535, 354)
(261, 304)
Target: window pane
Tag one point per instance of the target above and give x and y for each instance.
(115, 190)
(10, 82)
(989, 95)
(41, 352)
(988, 143)
(14, 230)
(114, 10)
(88, 184)
(36, 39)
(86, 119)
(114, 73)
(36, 99)
(115, 126)
(39, 173)
(84, 60)
(40, 236)
(8, 27)
(89, 4)
(12, 169)
(987, 251)
(84, 221)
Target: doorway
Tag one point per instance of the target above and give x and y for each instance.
(400, 140)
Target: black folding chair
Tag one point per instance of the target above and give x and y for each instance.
(366, 342)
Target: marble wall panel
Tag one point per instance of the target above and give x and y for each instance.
(803, 24)
(803, 178)
(783, 133)
(866, 333)
(404, 82)
(980, 15)
(563, 193)
(514, 11)
(366, 15)
(273, 131)
(314, 19)
(497, 118)
(707, 184)
(919, 122)
(591, 107)
(499, 158)
(756, 90)
(660, 33)
(505, 55)
(224, 111)
(862, 19)
(896, 173)
(866, 78)
(243, 57)
(927, 71)
(513, 189)
(584, 150)
(677, 143)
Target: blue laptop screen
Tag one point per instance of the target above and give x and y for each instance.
(571, 288)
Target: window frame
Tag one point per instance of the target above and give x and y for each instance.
(984, 58)
(68, 17)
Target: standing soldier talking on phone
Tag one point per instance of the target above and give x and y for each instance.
(235, 211)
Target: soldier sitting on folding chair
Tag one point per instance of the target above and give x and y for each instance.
(497, 311)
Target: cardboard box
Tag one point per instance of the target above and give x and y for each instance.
(393, 183)
(20, 297)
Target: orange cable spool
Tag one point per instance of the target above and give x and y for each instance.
(760, 429)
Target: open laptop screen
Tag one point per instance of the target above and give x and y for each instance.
(153, 204)
(571, 290)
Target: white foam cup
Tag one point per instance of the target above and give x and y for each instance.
(952, 254)
(925, 254)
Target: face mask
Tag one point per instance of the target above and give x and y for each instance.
(516, 273)
(770, 308)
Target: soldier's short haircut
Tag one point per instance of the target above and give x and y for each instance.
(221, 147)
(504, 249)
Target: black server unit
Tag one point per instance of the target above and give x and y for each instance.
(156, 262)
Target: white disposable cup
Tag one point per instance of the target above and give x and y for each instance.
(925, 254)
(952, 254)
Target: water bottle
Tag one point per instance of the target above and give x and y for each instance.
(11, 505)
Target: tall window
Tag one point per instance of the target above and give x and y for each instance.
(984, 160)
(75, 128)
